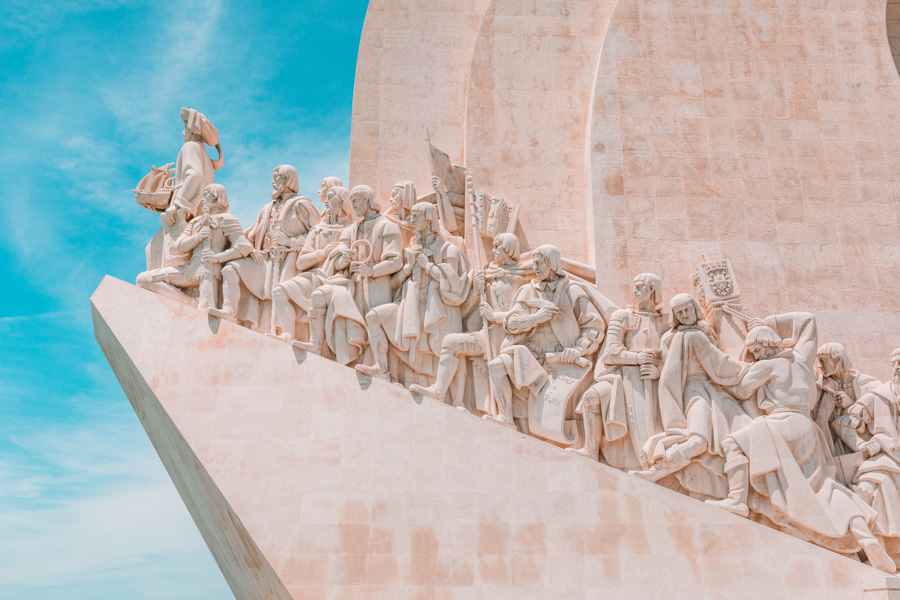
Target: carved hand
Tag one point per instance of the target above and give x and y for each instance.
(479, 281)
(258, 256)
(437, 185)
(282, 239)
(487, 313)
(361, 269)
(645, 357)
(570, 355)
(649, 371)
(870, 448)
(754, 323)
(843, 399)
(546, 313)
(168, 217)
(422, 260)
(209, 256)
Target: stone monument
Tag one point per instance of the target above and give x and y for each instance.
(359, 404)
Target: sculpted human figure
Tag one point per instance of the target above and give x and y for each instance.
(194, 170)
(208, 241)
(499, 281)
(383, 255)
(278, 233)
(839, 386)
(291, 298)
(551, 319)
(433, 284)
(621, 410)
(779, 466)
(696, 415)
(878, 478)
(403, 197)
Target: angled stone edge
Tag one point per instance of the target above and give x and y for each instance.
(304, 485)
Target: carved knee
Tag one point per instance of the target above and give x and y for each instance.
(143, 280)
(734, 456)
(230, 274)
(590, 401)
(278, 294)
(318, 299)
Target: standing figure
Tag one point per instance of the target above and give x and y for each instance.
(209, 240)
(383, 240)
(551, 318)
(403, 197)
(878, 478)
(293, 295)
(621, 410)
(779, 466)
(433, 284)
(499, 281)
(277, 235)
(839, 386)
(696, 414)
(194, 170)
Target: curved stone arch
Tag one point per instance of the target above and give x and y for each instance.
(527, 113)
(412, 72)
(768, 134)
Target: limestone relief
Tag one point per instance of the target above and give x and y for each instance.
(751, 415)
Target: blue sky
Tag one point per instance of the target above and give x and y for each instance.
(90, 93)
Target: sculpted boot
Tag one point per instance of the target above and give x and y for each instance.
(592, 432)
(875, 552)
(738, 488)
(316, 343)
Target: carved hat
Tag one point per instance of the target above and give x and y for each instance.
(219, 193)
(765, 336)
(552, 256)
(510, 244)
(197, 123)
(369, 195)
(407, 193)
(679, 301)
(290, 173)
(331, 182)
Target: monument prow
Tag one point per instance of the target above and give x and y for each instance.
(306, 483)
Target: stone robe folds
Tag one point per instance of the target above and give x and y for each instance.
(879, 413)
(827, 411)
(792, 475)
(691, 405)
(429, 309)
(345, 326)
(387, 258)
(294, 217)
(523, 352)
(629, 418)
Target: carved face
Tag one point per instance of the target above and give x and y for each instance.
(210, 202)
(542, 267)
(278, 183)
(761, 352)
(641, 291)
(323, 192)
(332, 201)
(498, 252)
(686, 314)
(360, 205)
(828, 365)
(186, 134)
(396, 196)
(417, 221)
(896, 365)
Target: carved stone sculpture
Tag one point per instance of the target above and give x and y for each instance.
(277, 235)
(206, 243)
(696, 415)
(877, 479)
(433, 284)
(194, 170)
(291, 298)
(552, 319)
(778, 466)
(497, 284)
(839, 386)
(621, 410)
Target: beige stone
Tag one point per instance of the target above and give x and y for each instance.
(306, 486)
